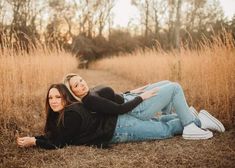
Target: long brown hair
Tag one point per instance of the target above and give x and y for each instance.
(54, 119)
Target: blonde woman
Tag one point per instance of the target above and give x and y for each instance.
(142, 103)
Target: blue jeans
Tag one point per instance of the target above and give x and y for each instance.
(169, 99)
(132, 129)
(141, 123)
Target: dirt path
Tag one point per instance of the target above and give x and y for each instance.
(96, 77)
(175, 152)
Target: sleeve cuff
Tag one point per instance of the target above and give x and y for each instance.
(139, 99)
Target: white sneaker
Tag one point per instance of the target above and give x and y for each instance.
(210, 122)
(192, 132)
(194, 111)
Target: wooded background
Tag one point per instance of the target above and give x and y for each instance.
(85, 27)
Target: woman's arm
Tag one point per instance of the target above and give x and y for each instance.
(118, 98)
(138, 90)
(66, 133)
(40, 141)
(103, 105)
(106, 106)
(108, 93)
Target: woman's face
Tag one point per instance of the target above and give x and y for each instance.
(78, 86)
(55, 100)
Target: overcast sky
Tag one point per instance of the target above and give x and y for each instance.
(124, 11)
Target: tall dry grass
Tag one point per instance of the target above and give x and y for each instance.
(24, 81)
(207, 74)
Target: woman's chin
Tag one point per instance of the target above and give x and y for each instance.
(57, 110)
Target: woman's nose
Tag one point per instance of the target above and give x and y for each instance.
(53, 101)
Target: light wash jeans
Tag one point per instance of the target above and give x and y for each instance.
(142, 124)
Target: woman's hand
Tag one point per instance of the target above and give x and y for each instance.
(149, 93)
(26, 141)
(140, 89)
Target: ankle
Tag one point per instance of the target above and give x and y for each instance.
(189, 126)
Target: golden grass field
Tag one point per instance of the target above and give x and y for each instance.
(207, 75)
(24, 81)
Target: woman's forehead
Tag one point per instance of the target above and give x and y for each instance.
(54, 91)
(75, 78)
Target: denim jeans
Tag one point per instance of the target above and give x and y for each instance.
(169, 99)
(141, 123)
(132, 129)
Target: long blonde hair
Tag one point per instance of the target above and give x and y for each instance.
(66, 82)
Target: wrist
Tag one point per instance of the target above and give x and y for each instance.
(129, 91)
(142, 97)
(33, 141)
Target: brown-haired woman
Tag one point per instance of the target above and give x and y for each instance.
(69, 123)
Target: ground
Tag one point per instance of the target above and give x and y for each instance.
(218, 151)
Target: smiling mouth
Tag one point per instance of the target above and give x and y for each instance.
(54, 106)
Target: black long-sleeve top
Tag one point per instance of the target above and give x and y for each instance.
(104, 100)
(81, 127)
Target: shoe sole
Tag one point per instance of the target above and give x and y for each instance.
(213, 119)
(197, 137)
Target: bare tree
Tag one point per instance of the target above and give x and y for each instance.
(200, 13)
(158, 13)
(85, 11)
(154, 14)
(177, 25)
(144, 8)
(61, 12)
(2, 12)
(195, 7)
(22, 27)
(104, 13)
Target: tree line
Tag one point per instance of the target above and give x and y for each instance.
(85, 27)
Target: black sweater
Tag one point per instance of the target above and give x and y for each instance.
(105, 101)
(81, 127)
